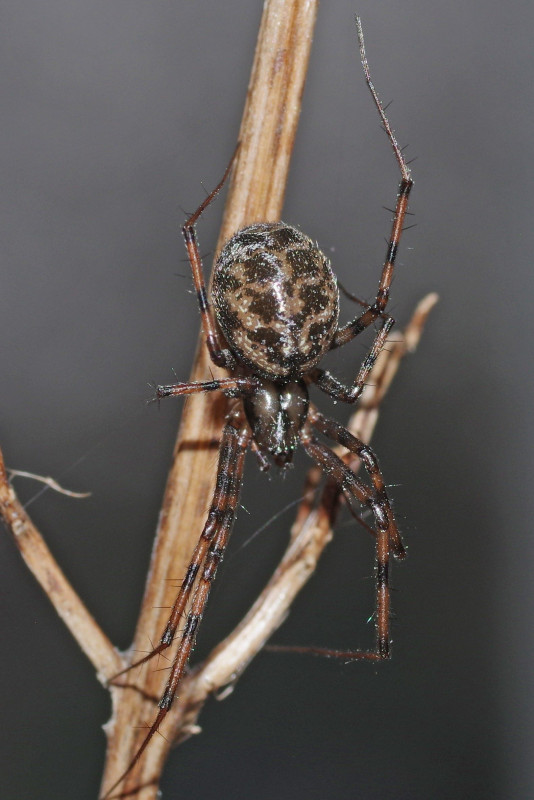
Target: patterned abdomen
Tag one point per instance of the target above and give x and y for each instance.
(276, 299)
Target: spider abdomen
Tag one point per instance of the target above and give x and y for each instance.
(276, 300)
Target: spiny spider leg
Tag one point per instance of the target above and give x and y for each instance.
(353, 328)
(336, 432)
(355, 299)
(216, 515)
(232, 387)
(220, 520)
(350, 394)
(322, 378)
(218, 354)
(346, 479)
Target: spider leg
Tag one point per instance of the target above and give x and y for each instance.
(218, 353)
(230, 386)
(355, 327)
(220, 520)
(345, 334)
(351, 296)
(377, 309)
(349, 394)
(336, 432)
(347, 481)
(223, 490)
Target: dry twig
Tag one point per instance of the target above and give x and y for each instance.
(256, 193)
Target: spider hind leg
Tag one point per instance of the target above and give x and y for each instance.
(387, 536)
(200, 573)
(339, 434)
(229, 471)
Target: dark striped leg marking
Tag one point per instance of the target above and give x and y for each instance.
(202, 569)
(227, 455)
(336, 432)
(348, 482)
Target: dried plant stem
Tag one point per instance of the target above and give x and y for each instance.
(40, 561)
(256, 193)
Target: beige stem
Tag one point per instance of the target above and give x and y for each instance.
(256, 193)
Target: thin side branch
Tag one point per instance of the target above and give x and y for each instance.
(48, 481)
(44, 567)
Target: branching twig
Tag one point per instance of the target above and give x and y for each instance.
(48, 481)
(44, 567)
(256, 193)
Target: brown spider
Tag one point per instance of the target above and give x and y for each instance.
(274, 316)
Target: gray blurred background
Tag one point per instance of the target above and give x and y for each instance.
(112, 114)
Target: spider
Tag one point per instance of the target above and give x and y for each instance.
(272, 317)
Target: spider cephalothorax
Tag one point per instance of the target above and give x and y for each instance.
(276, 413)
(274, 316)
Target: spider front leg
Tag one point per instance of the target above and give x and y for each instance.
(219, 354)
(322, 378)
(349, 394)
(347, 481)
(202, 569)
